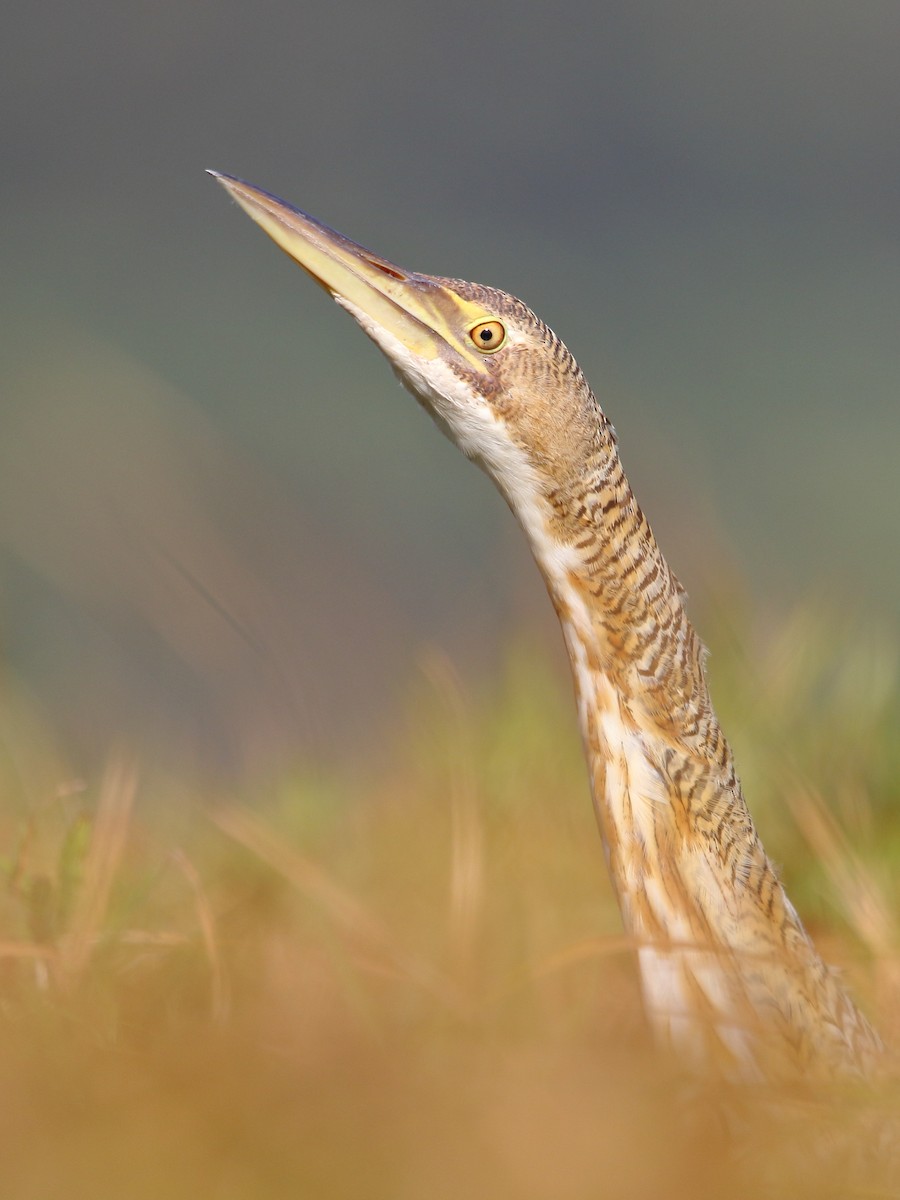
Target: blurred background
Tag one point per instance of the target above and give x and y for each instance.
(225, 532)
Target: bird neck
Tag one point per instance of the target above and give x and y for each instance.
(718, 942)
(622, 610)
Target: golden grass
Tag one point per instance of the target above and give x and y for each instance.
(407, 979)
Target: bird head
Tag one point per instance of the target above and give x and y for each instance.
(493, 376)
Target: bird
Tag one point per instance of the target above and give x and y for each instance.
(730, 980)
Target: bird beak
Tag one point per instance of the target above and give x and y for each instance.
(425, 315)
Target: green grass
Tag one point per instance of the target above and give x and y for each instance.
(406, 978)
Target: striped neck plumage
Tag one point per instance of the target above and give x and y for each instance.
(730, 978)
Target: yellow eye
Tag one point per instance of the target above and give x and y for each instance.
(488, 336)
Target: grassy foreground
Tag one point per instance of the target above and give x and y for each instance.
(407, 978)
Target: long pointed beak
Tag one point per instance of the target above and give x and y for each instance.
(425, 315)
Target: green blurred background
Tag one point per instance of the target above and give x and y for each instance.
(225, 532)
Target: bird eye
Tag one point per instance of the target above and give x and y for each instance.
(488, 335)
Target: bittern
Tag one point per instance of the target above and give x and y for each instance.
(729, 976)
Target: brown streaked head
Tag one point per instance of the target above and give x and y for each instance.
(493, 376)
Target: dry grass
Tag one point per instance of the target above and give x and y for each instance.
(410, 981)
